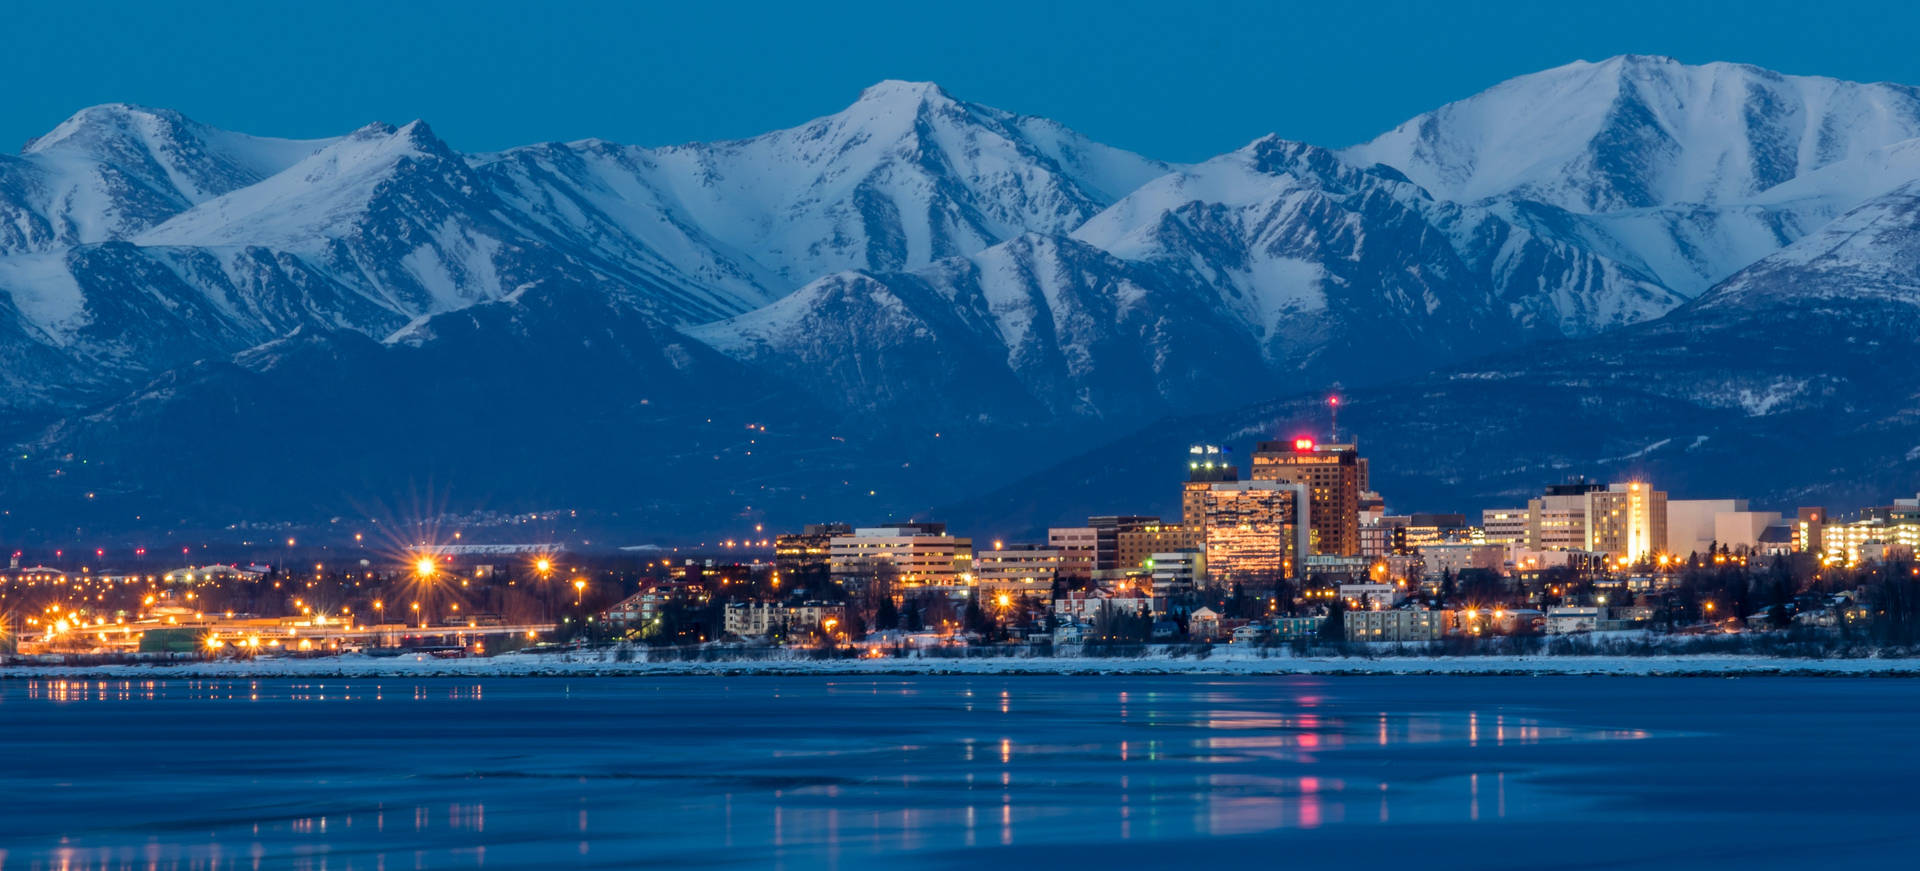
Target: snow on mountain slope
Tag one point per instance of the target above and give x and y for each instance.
(905, 176)
(1036, 327)
(114, 170)
(1869, 254)
(1306, 247)
(1637, 132)
(391, 212)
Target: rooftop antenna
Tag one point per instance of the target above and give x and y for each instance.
(1333, 407)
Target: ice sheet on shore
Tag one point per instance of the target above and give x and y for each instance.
(1233, 662)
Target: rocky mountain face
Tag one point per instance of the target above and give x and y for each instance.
(1786, 384)
(917, 300)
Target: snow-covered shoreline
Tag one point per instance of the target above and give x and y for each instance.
(596, 664)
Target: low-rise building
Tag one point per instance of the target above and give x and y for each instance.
(1572, 619)
(1086, 605)
(1371, 596)
(760, 619)
(1397, 625)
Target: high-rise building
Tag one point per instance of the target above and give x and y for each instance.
(1809, 529)
(1076, 545)
(1107, 529)
(1557, 520)
(1334, 476)
(1504, 525)
(806, 553)
(905, 555)
(1254, 532)
(1384, 535)
(1206, 464)
(1627, 521)
(1136, 546)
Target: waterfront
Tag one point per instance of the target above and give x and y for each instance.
(1025, 771)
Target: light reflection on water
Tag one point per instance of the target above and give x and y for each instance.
(399, 774)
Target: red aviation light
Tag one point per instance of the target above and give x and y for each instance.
(1302, 445)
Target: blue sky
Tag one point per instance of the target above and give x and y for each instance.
(1177, 80)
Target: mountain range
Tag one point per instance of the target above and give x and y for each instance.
(1707, 274)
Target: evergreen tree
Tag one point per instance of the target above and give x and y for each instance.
(1334, 628)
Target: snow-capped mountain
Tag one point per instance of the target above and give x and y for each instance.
(920, 298)
(111, 171)
(1787, 384)
(1636, 132)
(905, 176)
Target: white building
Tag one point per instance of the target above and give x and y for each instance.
(1178, 572)
(1694, 525)
(1572, 619)
(1504, 525)
(1371, 596)
(906, 555)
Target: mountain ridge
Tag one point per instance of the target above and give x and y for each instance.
(949, 287)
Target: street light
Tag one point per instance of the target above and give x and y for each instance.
(579, 589)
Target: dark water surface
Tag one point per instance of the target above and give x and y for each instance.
(960, 772)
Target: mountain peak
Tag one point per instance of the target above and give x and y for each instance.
(896, 91)
(1641, 131)
(104, 122)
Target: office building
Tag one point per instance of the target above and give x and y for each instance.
(1809, 530)
(1076, 545)
(807, 553)
(1017, 570)
(1178, 573)
(1136, 546)
(1506, 526)
(1254, 531)
(1107, 530)
(1627, 521)
(1557, 519)
(1334, 475)
(901, 555)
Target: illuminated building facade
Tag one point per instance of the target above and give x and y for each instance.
(1017, 570)
(1627, 521)
(1107, 531)
(1557, 520)
(1206, 464)
(1254, 531)
(906, 555)
(1809, 529)
(1178, 573)
(1504, 525)
(1334, 475)
(1136, 546)
(1077, 546)
(808, 552)
(1880, 535)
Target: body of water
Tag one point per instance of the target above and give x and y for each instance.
(958, 772)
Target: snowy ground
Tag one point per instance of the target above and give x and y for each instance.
(1231, 662)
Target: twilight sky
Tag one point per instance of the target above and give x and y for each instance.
(1175, 80)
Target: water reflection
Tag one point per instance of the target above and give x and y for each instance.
(379, 774)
